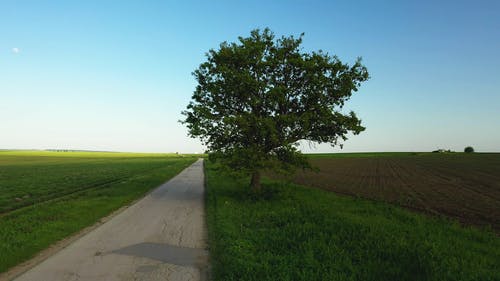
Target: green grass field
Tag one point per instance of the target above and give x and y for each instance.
(47, 196)
(298, 233)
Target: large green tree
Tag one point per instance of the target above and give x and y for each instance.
(257, 98)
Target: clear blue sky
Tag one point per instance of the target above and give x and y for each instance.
(115, 75)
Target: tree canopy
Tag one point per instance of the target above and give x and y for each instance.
(257, 98)
(469, 149)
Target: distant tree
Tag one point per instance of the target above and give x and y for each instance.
(469, 149)
(256, 99)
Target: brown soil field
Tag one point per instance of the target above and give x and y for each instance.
(461, 186)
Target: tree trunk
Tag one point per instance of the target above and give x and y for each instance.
(255, 182)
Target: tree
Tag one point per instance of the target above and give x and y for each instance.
(256, 99)
(469, 149)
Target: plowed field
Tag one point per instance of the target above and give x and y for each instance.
(461, 186)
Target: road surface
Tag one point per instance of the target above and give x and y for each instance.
(161, 237)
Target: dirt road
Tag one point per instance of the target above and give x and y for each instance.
(161, 237)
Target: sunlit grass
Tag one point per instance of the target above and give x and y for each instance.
(291, 232)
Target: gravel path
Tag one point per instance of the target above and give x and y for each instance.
(161, 237)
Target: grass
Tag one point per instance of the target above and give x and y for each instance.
(292, 232)
(69, 191)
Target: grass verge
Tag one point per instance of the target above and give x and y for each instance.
(292, 232)
(28, 230)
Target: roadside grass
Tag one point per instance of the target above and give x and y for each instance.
(27, 230)
(292, 232)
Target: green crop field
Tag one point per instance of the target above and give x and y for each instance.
(292, 232)
(46, 196)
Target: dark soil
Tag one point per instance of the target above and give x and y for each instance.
(460, 186)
